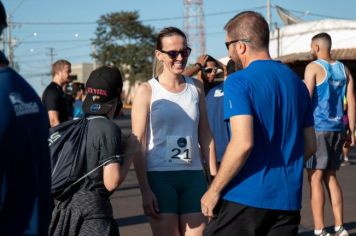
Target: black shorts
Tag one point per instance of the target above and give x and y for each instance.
(236, 219)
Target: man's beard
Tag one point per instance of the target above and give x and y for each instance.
(238, 62)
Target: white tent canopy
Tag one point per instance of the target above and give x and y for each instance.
(296, 38)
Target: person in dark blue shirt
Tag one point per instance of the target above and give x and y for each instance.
(271, 124)
(215, 109)
(25, 204)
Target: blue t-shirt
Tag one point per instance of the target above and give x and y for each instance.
(328, 97)
(279, 102)
(218, 126)
(25, 176)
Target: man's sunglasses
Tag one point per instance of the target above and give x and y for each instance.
(210, 69)
(174, 54)
(227, 44)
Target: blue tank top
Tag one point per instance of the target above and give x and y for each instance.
(328, 97)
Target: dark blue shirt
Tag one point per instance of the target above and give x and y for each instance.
(218, 126)
(279, 103)
(24, 158)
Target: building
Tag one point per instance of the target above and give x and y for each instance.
(291, 43)
(81, 72)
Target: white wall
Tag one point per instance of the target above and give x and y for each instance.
(296, 38)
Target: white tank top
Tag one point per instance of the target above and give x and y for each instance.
(172, 135)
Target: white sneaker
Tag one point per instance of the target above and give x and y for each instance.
(341, 232)
(345, 163)
(323, 233)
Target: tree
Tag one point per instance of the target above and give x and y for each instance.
(122, 40)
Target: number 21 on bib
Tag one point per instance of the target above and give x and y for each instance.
(179, 150)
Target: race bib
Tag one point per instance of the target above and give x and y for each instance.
(179, 150)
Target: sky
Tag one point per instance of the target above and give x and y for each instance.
(68, 26)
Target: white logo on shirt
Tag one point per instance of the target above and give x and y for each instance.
(20, 107)
(335, 83)
(218, 93)
(335, 119)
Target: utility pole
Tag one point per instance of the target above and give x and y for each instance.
(94, 59)
(51, 54)
(3, 42)
(269, 14)
(10, 45)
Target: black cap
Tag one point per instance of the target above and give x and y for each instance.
(102, 89)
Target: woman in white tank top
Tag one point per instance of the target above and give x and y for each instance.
(169, 121)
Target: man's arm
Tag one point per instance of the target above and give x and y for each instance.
(195, 68)
(234, 158)
(309, 142)
(310, 77)
(51, 99)
(350, 97)
(53, 118)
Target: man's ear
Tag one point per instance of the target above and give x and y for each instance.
(317, 48)
(243, 48)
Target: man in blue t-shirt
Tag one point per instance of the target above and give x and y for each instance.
(271, 123)
(24, 160)
(328, 82)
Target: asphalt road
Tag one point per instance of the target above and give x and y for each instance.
(128, 212)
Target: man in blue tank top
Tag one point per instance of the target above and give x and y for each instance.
(328, 81)
(271, 124)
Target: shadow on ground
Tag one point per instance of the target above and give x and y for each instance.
(132, 220)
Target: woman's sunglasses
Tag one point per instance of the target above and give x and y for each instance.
(174, 54)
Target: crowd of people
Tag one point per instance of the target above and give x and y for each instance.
(212, 156)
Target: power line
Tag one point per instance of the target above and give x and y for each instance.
(170, 18)
(46, 60)
(144, 20)
(57, 50)
(319, 15)
(56, 41)
(17, 7)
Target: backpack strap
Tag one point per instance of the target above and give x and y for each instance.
(109, 159)
(83, 152)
